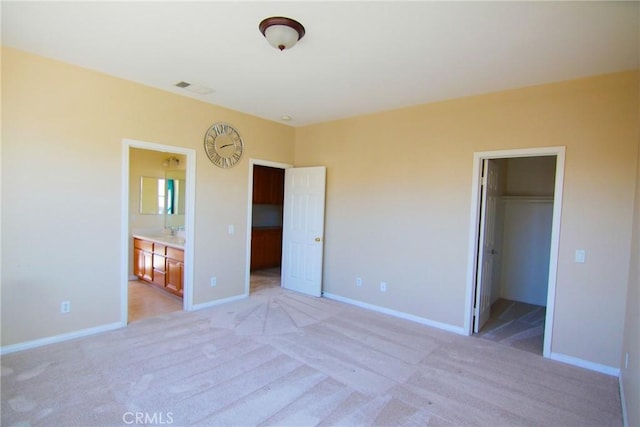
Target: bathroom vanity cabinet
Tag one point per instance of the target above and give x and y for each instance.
(143, 259)
(174, 270)
(159, 264)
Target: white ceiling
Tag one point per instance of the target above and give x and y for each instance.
(356, 57)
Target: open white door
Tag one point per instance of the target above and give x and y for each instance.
(486, 250)
(303, 229)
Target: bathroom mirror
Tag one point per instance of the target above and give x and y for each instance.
(160, 196)
(175, 192)
(152, 195)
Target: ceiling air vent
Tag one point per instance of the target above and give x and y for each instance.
(199, 89)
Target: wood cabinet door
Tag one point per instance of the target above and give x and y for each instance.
(257, 250)
(268, 185)
(159, 270)
(266, 248)
(143, 259)
(174, 275)
(273, 248)
(138, 262)
(147, 263)
(277, 187)
(261, 184)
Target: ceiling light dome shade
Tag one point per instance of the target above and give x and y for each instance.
(281, 33)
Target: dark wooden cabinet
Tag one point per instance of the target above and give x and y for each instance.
(159, 265)
(268, 185)
(277, 187)
(266, 248)
(266, 236)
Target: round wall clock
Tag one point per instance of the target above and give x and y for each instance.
(223, 145)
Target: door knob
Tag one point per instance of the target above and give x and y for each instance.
(493, 252)
(318, 239)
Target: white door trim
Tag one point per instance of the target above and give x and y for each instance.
(190, 154)
(478, 157)
(252, 162)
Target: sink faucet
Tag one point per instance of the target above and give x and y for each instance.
(172, 230)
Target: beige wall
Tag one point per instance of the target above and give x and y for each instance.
(399, 196)
(631, 340)
(62, 133)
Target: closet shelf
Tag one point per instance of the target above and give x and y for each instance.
(531, 199)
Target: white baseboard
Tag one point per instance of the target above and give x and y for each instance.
(625, 420)
(592, 366)
(104, 328)
(59, 338)
(444, 326)
(203, 305)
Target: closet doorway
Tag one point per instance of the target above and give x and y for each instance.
(516, 211)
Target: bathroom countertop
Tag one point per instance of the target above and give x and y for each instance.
(173, 241)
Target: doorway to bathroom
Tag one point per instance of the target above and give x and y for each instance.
(157, 229)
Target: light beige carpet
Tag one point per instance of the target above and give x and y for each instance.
(283, 359)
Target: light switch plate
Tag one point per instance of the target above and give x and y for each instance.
(65, 307)
(580, 255)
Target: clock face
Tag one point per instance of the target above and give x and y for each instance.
(223, 145)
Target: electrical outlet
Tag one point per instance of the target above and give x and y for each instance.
(358, 281)
(214, 281)
(383, 286)
(65, 307)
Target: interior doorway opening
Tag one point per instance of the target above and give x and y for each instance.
(516, 203)
(158, 185)
(157, 225)
(265, 222)
(516, 208)
(302, 241)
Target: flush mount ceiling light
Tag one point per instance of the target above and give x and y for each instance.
(171, 161)
(281, 33)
